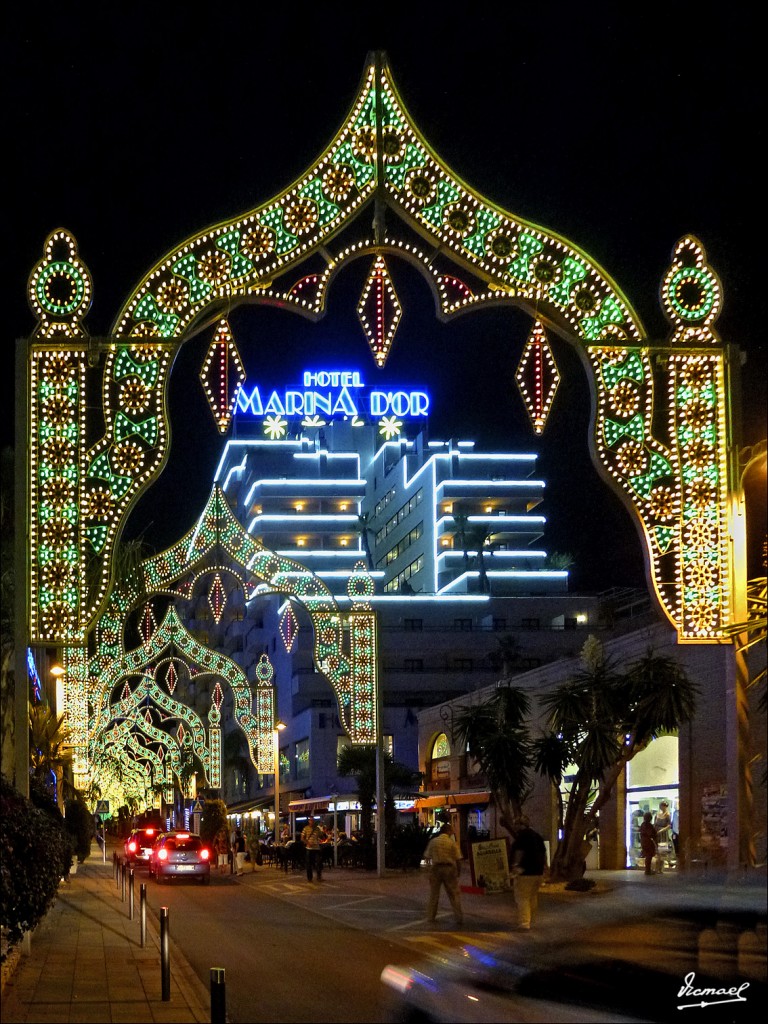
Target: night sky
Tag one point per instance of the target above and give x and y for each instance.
(138, 126)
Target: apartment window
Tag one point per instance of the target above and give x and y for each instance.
(413, 625)
(302, 759)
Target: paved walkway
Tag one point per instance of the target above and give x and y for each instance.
(87, 963)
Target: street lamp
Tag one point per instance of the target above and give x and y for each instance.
(279, 726)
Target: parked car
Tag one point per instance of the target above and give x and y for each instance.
(642, 958)
(138, 845)
(180, 855)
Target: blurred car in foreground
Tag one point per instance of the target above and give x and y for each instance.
(138, 845)
(641, 958)
(180, 855)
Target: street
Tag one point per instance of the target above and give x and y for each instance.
(285, 958)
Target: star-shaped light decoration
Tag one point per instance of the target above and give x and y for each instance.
(537, 377)
(379, 310)
(221, 375)
(275, 426)
(289, 627)
(390, 426)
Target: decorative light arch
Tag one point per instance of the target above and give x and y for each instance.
(662, 436)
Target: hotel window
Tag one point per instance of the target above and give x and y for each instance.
(462, 664)
(395, 585)
(302, 759)
(464, 625)
(413, 664)
(530, 623)
(499, 624)
(413, 625)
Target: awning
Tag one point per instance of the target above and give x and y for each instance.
(319, 803)
(452, 800)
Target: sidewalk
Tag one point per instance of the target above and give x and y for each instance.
(87, 964)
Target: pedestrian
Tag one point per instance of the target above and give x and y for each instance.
(221, 844)
(312, 836)
(444, 855)
(239, 851)
(648, 841)
(676, 831)
(529, 858)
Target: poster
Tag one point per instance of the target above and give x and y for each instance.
(490, 865)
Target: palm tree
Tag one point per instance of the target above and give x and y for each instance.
(50, 750)
(359, 763)
(598, 721)
(496, 735)
(461, 519)
(363, 529)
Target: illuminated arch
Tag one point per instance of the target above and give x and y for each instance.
(660, 423)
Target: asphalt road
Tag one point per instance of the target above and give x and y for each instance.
(283, 961)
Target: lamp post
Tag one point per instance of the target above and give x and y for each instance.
(279, 726)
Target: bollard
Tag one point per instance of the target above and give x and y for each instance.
(165, 954)
(143, 913)
(130, 893)
(218, 996)
(122, 881)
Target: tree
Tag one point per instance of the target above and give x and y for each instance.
(359, 762)
(363, 530)
(213, 818)
(496, 736)
(598, 721)
(50, 750)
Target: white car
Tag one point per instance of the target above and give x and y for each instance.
(640, 956)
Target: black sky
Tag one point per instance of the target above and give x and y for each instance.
(137, 125)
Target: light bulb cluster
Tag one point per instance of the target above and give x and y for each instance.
(379, 310)
(537, 377)
(221, 375)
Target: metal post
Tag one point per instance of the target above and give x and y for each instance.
(130, 893)
(143, 913)
(122, 881)
(165, 953)
(104, 839)
(218, 996)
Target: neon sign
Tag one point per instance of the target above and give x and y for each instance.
(332, 393)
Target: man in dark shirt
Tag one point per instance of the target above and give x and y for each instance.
(529, 858)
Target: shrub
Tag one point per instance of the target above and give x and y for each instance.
(79, 823)
(35, 852)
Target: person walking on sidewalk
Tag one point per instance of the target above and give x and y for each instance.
(444, 854)
(221, 844)
(312, 837)
(240, 851)
(529, 858)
